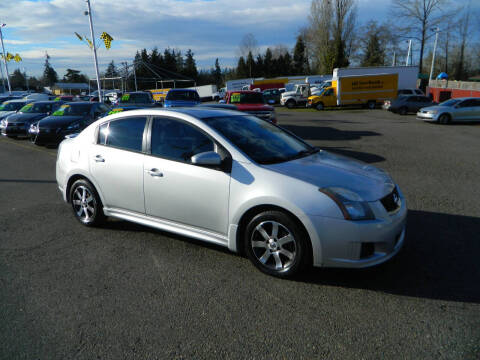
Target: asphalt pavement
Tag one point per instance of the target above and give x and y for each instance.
(125, 291)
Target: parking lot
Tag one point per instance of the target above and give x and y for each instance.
(125, 291)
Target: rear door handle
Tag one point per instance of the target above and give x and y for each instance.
(99, 158)
(155, 172)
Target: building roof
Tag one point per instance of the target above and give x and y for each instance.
(72, 86)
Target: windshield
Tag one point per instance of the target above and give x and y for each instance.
(247, 98)
(135, 99)
(73, 110)
(36, 108)
(260, 140)
(182, 95)
(451, 102)
(11, 106)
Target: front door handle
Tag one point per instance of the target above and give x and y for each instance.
(155, 172)
(99, 158)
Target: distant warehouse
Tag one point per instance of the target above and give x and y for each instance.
(63, 88)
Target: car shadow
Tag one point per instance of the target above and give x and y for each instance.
(327, 133)
(362, 156)
(439, 260)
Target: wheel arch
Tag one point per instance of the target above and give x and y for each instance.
(79, 176)
(257, 209)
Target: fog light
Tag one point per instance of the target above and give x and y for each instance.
(367, 250)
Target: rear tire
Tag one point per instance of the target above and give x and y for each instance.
(290, 104)
(444, 119)
(86, 204)
(371, 104)
(276, 244)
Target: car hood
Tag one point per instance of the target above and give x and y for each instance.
(58, 121)
(288, 93)
(25, 117)
(325, 169)
(254, 107)
(437, 108)
(4, 114)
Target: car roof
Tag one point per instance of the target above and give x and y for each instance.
(137, 92)
(80, 103)
(182, 90)
(197, 112)
(244, 91)
(48, 102)
(17, 100)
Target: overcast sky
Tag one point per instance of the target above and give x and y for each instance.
(211, 28)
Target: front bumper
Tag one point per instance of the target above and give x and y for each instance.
(44, 136)
(12, 129)
(359, 244)
(427, 116)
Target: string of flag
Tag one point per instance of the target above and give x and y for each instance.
(107, 40)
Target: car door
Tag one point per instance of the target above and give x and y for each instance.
(465, 110)
(476, 110)
(116, 163)
(177, 190)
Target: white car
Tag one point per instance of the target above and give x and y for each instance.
(234, 180)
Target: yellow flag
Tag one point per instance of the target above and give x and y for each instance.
(9, 56)
(107, 39)
(17, 58)
(89, 42)
(79, 36)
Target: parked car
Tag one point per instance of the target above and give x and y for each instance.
(136, 100)
(237, 181)
(460, 109)
(251, 102)
(18, 124)
(70, 118)
(181, 97)
(11, 107)
(272, 96)
(408, 104)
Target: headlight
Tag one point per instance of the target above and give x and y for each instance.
(433, 112)
(74, 126)
(351, 204)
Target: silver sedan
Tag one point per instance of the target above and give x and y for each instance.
(460, 109)
(234, 180)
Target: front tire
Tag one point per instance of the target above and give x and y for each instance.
(444, 119)
(371, 105)
(403, 110)
(319, 106)
(290, 104)
(276, 244)
(86, 204)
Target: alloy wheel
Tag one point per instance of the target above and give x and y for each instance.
(84, 204)
(274, 246)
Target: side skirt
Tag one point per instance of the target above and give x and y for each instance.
(167, 225)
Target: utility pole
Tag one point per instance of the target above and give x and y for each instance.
(434, 51)
(89, 13)
(409, 52)
(3, 79)
(5, 59)
(394, 63)
(135, 76)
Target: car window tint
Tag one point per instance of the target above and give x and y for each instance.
(126, 133)
(176, 140)
(466, 103)
(103, 108)
(419, 92)
(476, 102)
(412, 99)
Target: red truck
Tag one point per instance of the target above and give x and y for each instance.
(251, 102)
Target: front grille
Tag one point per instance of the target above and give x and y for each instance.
(391, 202)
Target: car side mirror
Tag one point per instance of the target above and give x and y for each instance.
(210, 158)
(221, 101)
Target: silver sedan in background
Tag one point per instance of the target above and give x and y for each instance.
(235, 180)
(460, 109)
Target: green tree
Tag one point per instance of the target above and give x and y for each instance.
(190, 69)
(111, 70)
(268, 63)
(74, 76)
(17, 80)
(299, 57)
(250, 64)
(217, 74)
(242, 69)
(50, 76)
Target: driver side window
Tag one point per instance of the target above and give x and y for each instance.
(177, 140)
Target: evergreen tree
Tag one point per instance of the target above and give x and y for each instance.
(374, 53)
(17, 80)
(111, 70)
(217, 74)
(190, 69)
(286, 62)
(250, 64)
(170, 63)
(74, 76)
(50, 76)
(268, 63)
(299, 58)
(242, 70)
(259, 70)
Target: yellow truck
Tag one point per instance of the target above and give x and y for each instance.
(356, 90)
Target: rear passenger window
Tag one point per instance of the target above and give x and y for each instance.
(124, 133)
(102, 133)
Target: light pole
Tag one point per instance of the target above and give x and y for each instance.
(89, 13)
(434, 51)
(5, 59)
(409, 52)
